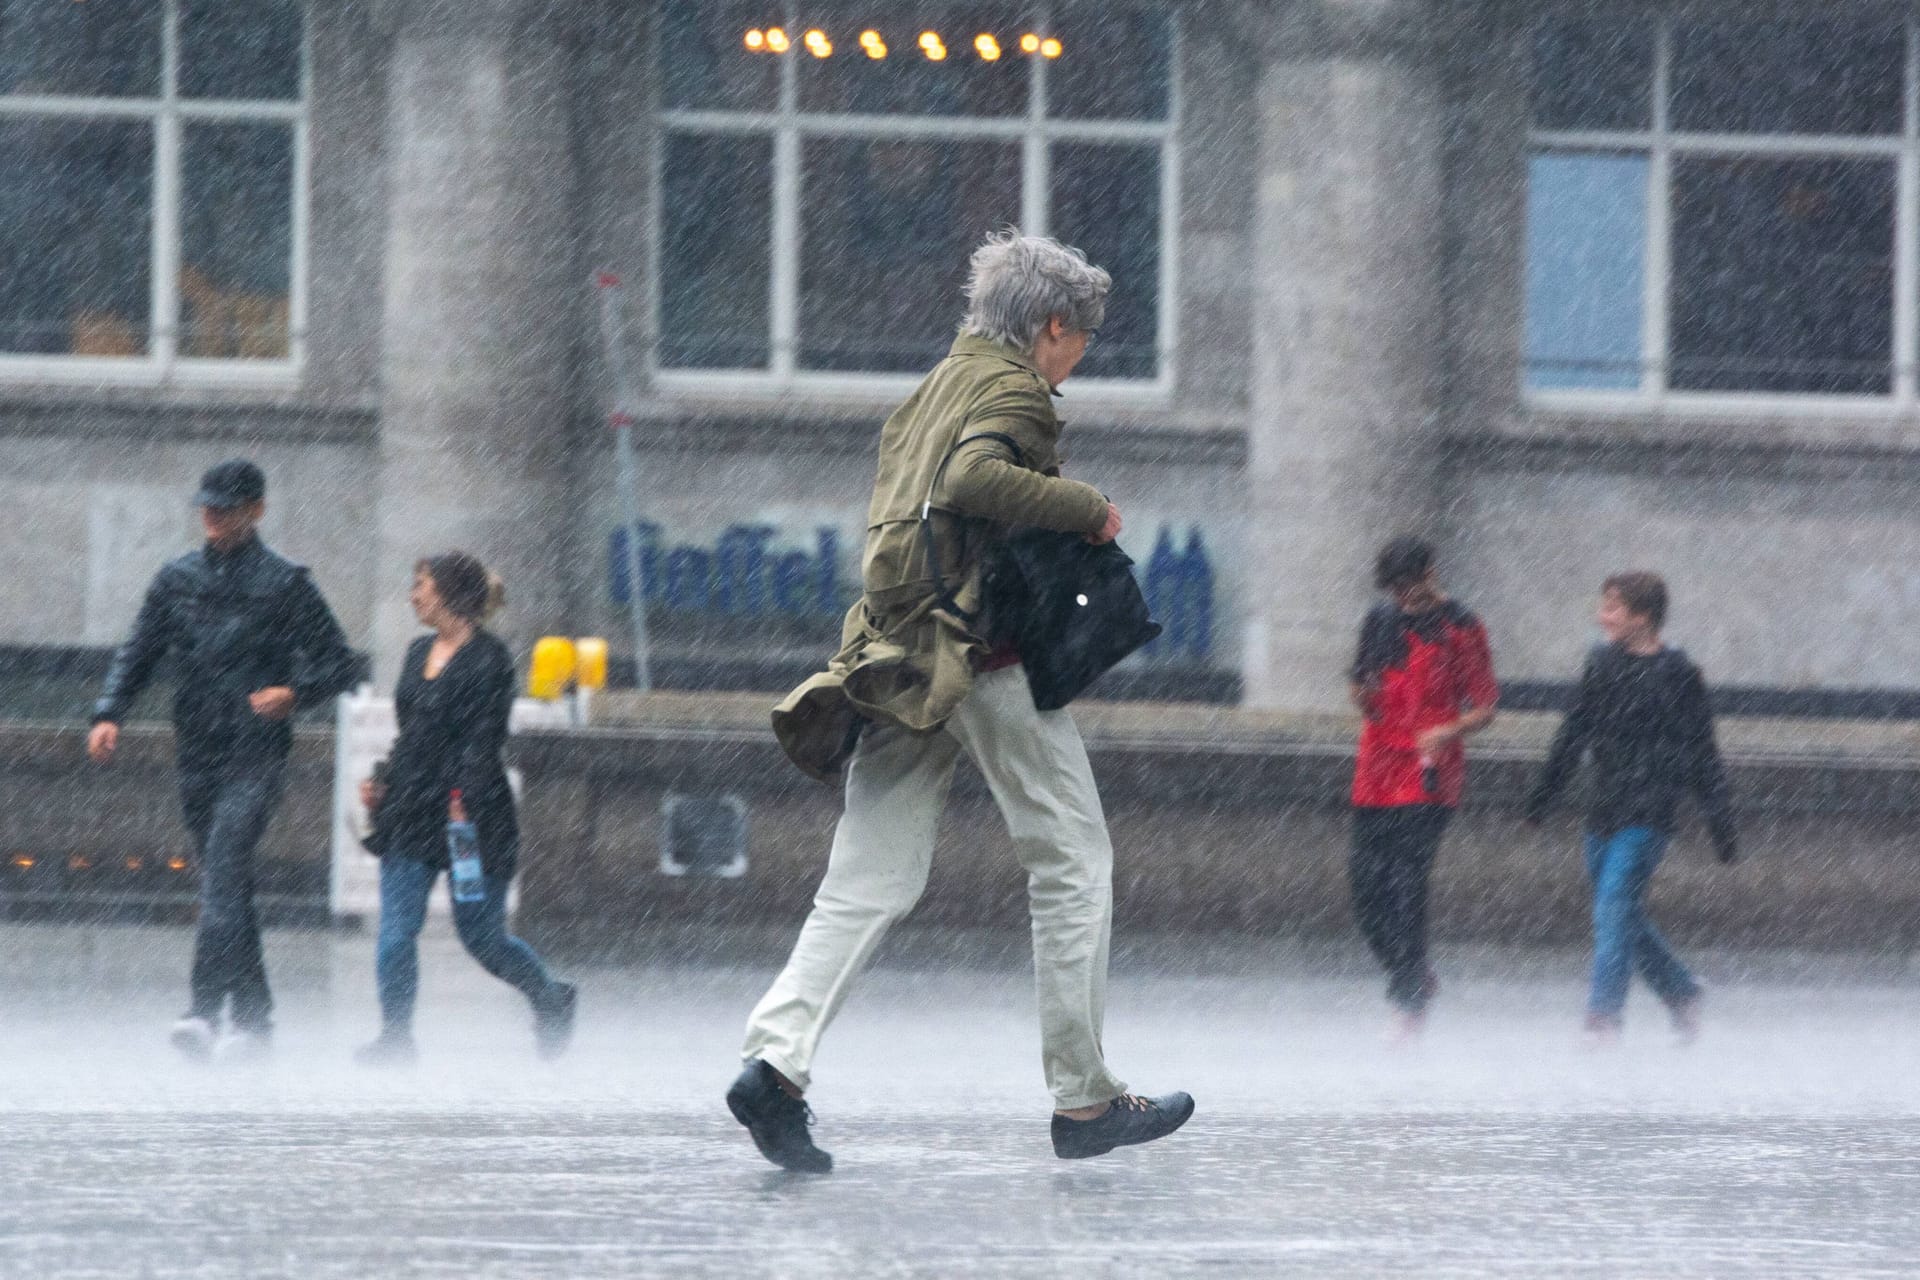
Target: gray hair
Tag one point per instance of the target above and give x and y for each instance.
(1016, 283)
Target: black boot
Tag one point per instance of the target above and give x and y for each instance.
(553, 1019)
(776, 1119)
(1130, 1120)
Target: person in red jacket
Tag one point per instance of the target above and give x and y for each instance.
(1423, 681)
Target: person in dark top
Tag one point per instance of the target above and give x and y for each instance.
(1423, 680)
(252, 641)
(453, 701)
(1642, 714)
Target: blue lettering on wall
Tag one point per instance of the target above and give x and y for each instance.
(1178, 586)
(742, 574)
(746, 573)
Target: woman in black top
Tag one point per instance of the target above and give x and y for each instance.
(454, 697)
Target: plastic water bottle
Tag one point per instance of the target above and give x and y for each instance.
(463, 857)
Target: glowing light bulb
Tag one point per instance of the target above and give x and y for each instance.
(987, 47)
(777, 40)
(756, 40)
(1050, 48)
(818, 44)
(931, 45)
(1029, 43)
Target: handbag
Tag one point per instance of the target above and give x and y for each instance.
(1072, 610)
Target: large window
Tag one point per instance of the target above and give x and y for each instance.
(1726, 205)
(827, 167)
(151, 187)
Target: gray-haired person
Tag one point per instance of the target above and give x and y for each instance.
(1033, 305)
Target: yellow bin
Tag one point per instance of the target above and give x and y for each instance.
(552, 668)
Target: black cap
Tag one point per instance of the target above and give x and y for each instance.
(233, 483)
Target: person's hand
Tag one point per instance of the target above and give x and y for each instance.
(275, 703)
(1431, 742)
(372, 793)
(456, 809)
(102, 741)
(1108, 531)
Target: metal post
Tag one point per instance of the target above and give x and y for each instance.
(620, 418)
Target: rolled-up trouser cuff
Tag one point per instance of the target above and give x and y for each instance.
(798, 1079)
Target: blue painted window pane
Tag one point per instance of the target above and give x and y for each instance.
(1586, 259)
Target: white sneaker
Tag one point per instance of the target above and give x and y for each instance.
(242, 1048)
(193, 1036)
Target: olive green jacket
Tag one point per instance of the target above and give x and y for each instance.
(904, 659)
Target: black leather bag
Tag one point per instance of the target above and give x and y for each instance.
(1072, 609)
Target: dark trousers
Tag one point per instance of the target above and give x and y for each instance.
(227, 809)
(1393, 851)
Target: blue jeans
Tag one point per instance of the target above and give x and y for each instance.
(1620, 866)
(404, 886)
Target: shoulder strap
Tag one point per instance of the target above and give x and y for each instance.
(944, 595)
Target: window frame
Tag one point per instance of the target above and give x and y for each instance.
(170, 114)
(788, 126)
(1661, 144)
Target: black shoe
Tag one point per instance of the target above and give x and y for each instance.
(553, 1019)
(1129, 1121)
(776, 1119)
(392, 1048)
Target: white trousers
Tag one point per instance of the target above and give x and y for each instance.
(1036, 767)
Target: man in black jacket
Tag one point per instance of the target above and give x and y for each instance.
(1642, 711)
(252, 640)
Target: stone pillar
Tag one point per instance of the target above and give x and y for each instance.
(1347, 341)
(482, 306)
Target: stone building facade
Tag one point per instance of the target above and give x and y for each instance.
(1577, 287)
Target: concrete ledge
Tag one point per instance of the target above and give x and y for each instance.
(1226, 819)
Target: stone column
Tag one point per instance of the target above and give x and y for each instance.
(482, 307)
(1347, 341)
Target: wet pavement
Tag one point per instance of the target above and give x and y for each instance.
(1786, 1143)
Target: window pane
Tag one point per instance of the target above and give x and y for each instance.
(716, 209)
(881, 60)
(236, 240)
(104, 48)
(1798, 75)
(706, 61)
(1106, 202)
(1592, 73)
(1114, 63)
(230, 50)
(886, 230)
(1782, 275)
(76, 212)
(1586, 252)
